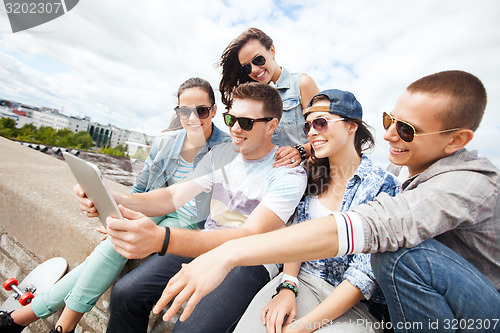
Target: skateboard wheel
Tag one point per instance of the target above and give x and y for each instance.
(7, 285)
(26, 298)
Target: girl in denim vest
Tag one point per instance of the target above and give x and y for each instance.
(251, 57)
(171, 158)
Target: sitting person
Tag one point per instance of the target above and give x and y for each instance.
(339, 177)
(171, 158)
(437, 242)
(249, 196)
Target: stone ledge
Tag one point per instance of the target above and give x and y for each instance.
(40, 219)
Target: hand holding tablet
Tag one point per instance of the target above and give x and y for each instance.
(90, 181)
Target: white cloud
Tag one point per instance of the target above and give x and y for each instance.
(121, 62)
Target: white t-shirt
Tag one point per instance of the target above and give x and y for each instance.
(240, 185)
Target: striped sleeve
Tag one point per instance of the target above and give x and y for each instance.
(350, 233)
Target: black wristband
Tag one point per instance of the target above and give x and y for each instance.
(302, 151)
(286, 285)
(165, 242)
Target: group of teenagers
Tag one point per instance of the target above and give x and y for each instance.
(285, 225)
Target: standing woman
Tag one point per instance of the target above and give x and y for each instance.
(172, 157)
(251, 57)
(329, 295)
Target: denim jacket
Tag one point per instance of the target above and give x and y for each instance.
(290, 131)
(367, 182)
(163, 160)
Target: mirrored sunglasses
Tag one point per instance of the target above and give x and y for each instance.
(259, 60)
(245, 123)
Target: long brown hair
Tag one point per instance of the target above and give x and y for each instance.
(232, 75)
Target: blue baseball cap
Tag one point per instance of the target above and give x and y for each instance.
(342, 103)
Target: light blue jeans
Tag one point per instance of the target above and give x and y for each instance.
(431, 288)
(80, 289)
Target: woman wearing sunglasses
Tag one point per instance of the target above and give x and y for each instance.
(330, 294)
(171, 158)
(251, 57)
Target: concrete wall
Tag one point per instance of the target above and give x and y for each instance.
(40, 219)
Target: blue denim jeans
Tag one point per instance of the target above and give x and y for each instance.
(431, 288)
(134, 295)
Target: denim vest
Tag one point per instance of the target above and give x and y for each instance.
(163, 160)
(290, 131)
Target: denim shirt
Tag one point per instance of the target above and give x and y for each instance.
(163, 160)
(290, 131)
(366, 183)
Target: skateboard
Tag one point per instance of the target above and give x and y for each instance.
(35, 283)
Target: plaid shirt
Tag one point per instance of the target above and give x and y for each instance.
(455, 201)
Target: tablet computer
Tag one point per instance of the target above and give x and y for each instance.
(91, 181)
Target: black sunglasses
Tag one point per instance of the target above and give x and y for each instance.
(245, 123)
(201, 112)
(320, 124)
(405, 130)
(259, 60)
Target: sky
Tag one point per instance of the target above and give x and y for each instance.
(121, 62)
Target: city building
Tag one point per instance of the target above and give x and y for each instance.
(102, 135)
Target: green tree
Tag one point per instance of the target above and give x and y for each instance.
(26, 133)
(46, 135)
(8, 128)
(119, 150)
(65, 138)
(83, 140)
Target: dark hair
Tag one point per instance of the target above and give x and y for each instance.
(232, 75)
(175, 124)
(318, 169)
(467, 97)
(194, 82)
(272, 105)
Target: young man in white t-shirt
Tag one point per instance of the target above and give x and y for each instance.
(249, 197)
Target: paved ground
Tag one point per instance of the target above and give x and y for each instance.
(123, 170)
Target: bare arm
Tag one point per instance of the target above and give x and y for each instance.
(154, 203)
(309, 240)
(191, 243)
(344, 297)
(138, 236)
(308, 89)
(161, 201)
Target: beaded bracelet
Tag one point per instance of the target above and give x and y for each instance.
(286, 285)
(302, 151)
